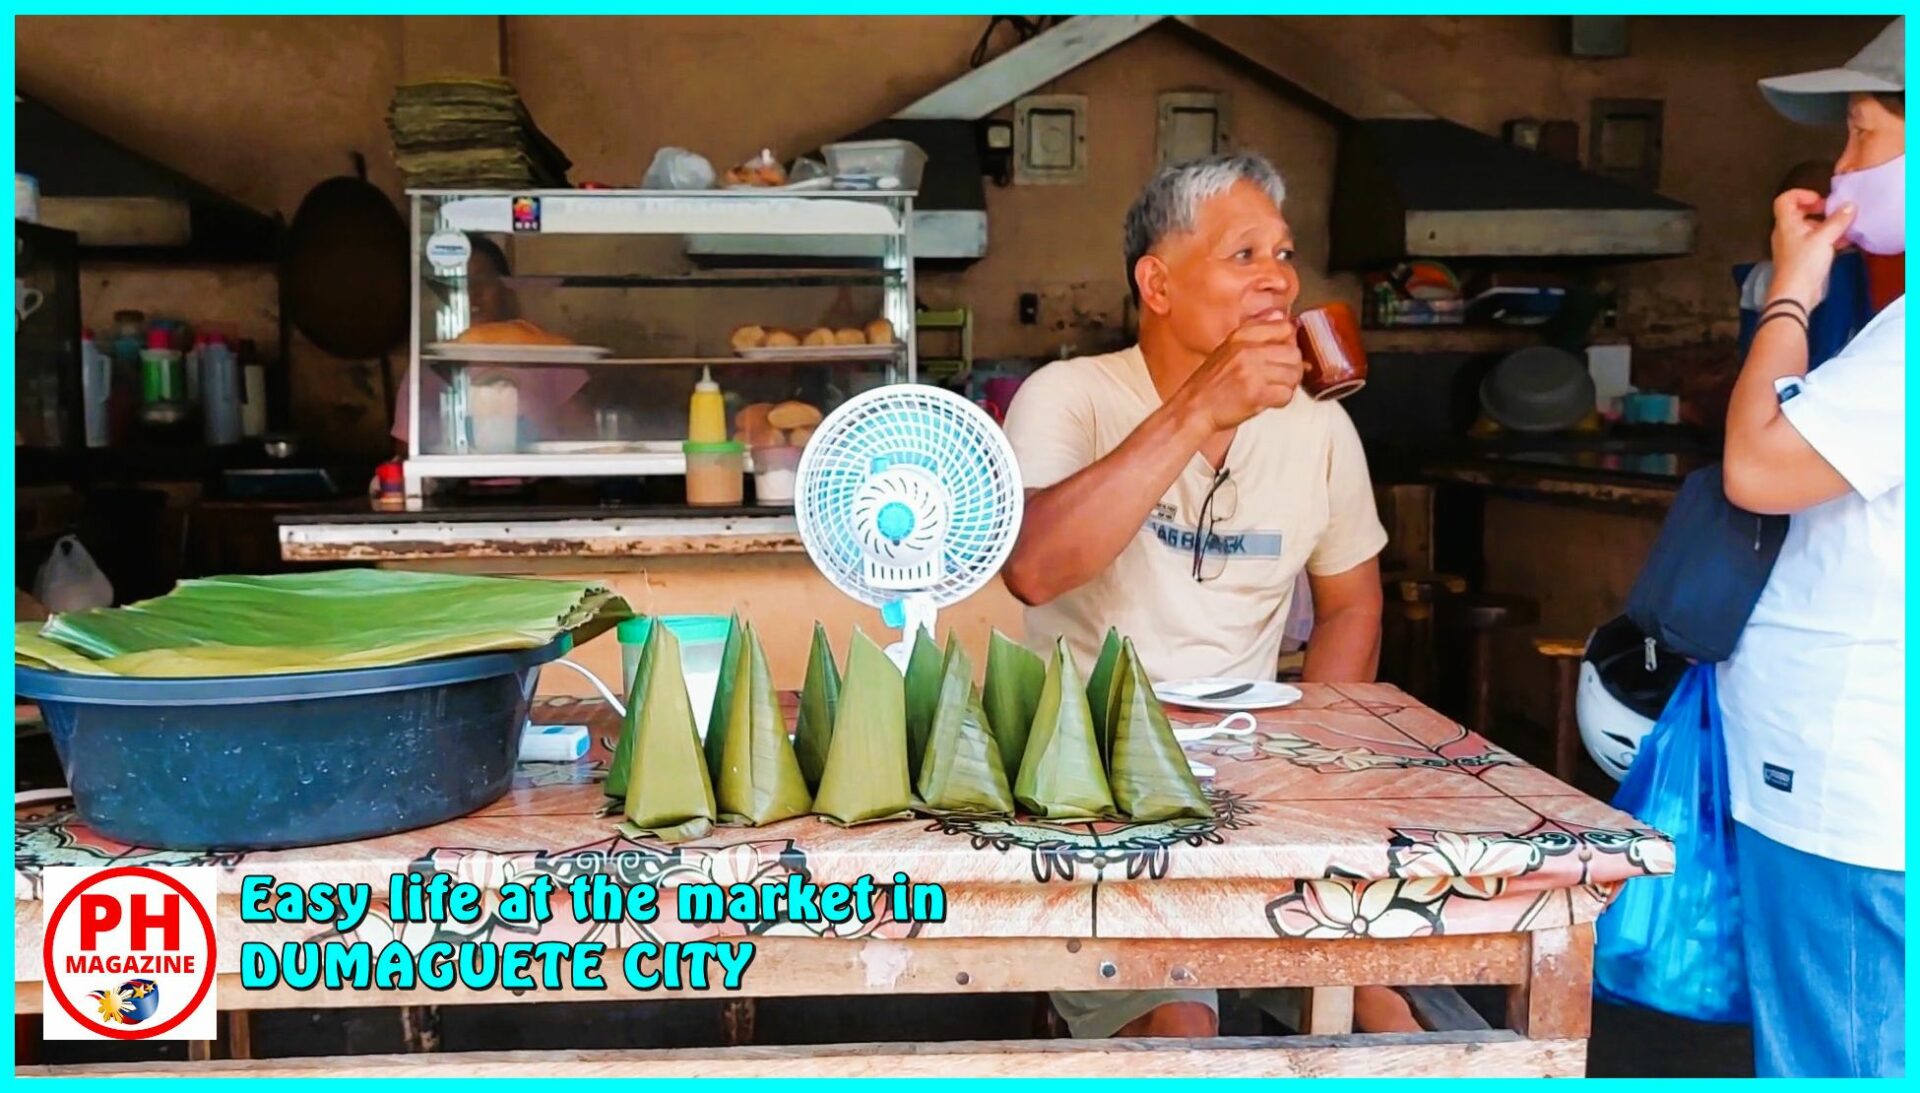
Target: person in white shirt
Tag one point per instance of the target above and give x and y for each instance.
(1814, 698)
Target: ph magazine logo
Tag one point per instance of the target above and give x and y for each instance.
(129, 953)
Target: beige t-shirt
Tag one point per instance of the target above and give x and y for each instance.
(1297, 497)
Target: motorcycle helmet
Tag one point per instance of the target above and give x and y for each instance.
(1626, 679)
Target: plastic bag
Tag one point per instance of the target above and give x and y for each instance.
(1299, 625)
(70, 581)
(1673, 944)
(761, 170)
(678, 169)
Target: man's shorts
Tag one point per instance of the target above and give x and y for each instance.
(1096, 1015)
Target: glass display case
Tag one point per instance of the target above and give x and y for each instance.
(47, 389)
(562, 333)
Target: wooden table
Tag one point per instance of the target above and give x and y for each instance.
(1360, 839)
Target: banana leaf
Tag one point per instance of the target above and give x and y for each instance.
(758, 781)
(1148, 772)
(723, 694)
(1014, 678)
(30, 650)
(923, 694)
(866, 776)
(1100, 691)
(961, 773)
(662, 774)
(314, 622)
(819, 694)
(1061, 777)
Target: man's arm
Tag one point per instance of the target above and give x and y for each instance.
(1345, 647)
(1076, 528)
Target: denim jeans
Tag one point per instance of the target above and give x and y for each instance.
(1826, 955)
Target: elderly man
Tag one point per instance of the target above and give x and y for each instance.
(1179, 487)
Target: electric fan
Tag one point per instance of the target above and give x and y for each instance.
(908, 499)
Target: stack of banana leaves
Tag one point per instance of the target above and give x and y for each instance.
(316, 622)
(471, 134)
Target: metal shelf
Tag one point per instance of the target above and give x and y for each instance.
(688, 212)
(743, 278)
(668, 362)
(880, 221)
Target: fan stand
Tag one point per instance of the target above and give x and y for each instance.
(911, 614)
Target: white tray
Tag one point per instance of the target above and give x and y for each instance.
(517, 354)
(818, 353)
(605, 447)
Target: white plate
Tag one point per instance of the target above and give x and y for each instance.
(817, 353)
(518, 354)
(1263, 695)
(604, 447)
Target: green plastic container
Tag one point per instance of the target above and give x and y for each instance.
(703, 638)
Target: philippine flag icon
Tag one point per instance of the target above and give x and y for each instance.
(133, 1002)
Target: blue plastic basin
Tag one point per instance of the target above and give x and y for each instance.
(264, 762)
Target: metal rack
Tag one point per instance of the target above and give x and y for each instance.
(883, 218)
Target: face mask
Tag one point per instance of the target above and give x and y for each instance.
(1879, 196)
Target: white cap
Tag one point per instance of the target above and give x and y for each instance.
(1820, 97)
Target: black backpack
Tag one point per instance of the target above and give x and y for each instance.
(1706, 571)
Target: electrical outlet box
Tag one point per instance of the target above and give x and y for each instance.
(1193, 125)
(1050, 140)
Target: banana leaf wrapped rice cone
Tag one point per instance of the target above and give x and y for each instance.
(1146, 769)
(723, 693)
(1100, 690)
(1014, 678)
(663, 773)
(819, 695)
(759, 780)
(1061, 776)
(866, 776)
(923, 694)
(961, 772)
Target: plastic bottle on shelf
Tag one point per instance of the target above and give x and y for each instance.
(707, 415)
(220, 384)
(253, 391)
(162, 382)
(96, 390)
(193, 361)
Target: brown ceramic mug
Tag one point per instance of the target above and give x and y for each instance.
(1336, 358)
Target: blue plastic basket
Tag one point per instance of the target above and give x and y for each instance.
(264, 762)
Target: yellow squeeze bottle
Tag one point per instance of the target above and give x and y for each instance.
(707, 415)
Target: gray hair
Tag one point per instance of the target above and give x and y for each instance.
(1173, 196)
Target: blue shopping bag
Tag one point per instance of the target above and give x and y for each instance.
(1673, 943)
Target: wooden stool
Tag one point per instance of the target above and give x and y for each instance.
(1565, 655)
(1481, 615)
(1416, 594)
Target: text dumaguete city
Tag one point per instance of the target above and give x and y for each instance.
(447, 959)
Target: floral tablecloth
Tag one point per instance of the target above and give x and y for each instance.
(1354, 813)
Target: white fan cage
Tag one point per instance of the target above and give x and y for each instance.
(921, 426)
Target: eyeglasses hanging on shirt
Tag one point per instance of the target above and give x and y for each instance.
(1223, 498)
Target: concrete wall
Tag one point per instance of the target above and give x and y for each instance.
(264, 108)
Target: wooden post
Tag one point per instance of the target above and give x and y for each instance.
(420, 1028)
(1329, 1011)
(239, 1034)
(26, 1039)
(1566, 719)
(1556, 1001)
(737, 1016)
